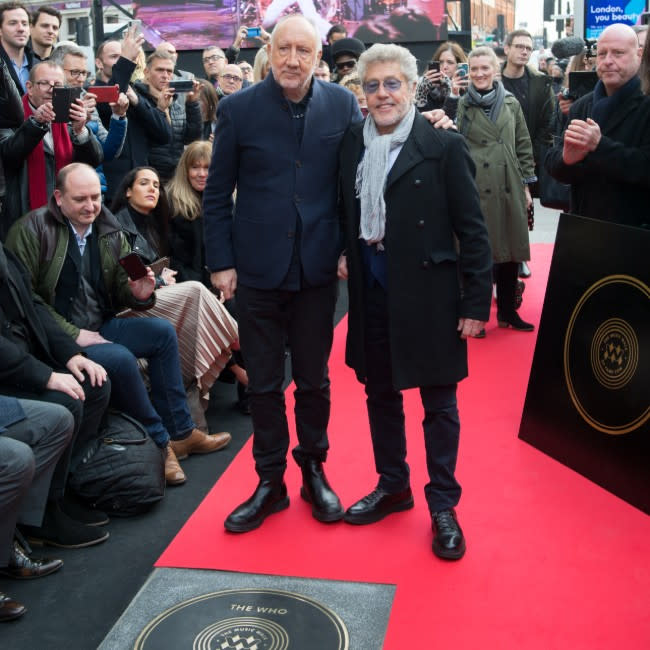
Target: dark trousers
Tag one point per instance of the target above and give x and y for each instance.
(506, 275)
(386, 416)
(87, 415)
(29, 452)
(268, 320)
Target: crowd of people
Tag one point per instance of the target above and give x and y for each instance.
(235, 192)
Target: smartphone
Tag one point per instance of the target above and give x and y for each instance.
(62, 99)
(137, 24)
(434, 65)
(181, 85)
(462, 69)
(105, 94)
(133, 266)
(252, 32)
(582, 82)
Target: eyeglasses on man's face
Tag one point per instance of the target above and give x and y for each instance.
(231, 77)
(75, 74)
(346, 64)
(44, 84)
(213, 58)
(522, 47)
(391, 84)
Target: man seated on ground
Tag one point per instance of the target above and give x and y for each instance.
(71, 248)
(148, 124)
(182, 111)
(33, 437)
(39, 361)
(33, 153)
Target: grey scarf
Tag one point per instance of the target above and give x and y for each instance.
(372, 173)
(491, 102)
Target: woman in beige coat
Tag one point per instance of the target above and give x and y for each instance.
(493, 123)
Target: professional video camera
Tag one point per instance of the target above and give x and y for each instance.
(582, 82)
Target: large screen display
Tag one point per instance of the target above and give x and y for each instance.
(199, 24)
(601, 13)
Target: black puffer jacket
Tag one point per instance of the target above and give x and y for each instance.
(187, 126)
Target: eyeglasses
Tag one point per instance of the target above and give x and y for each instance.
(346, 64)
(231, 77)
(43, 84)
(75, 74)
(213, 58)
(526, 48)
(391, 84)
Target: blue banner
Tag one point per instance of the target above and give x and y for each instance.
(602, 13)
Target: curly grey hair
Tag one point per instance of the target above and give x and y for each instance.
(386, 53)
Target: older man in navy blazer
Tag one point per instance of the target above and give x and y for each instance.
(277, 143)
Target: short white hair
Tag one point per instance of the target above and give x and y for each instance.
(387, 53)
(317, 40)
(484, 50)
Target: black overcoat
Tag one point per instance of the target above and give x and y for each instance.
(435, 240)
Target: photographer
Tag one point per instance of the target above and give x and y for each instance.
(33, 153)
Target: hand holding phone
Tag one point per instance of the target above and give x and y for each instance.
(462, 70)
(105, 94)
(62, 99)
(133, 266)
(181, 85)
(253, 32)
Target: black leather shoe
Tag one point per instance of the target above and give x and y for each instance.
(10, 609)
(448, 539)
(515, 321)
(377, 505)
(325, 505)
(269, 497)
(23, 567)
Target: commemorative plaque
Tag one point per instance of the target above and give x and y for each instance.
(588, 398)
(246, 619)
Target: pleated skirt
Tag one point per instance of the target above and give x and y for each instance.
(204, 328)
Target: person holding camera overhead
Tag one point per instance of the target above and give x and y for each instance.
(181, 109)
(34, 153)
(493, 124)
(443, 82)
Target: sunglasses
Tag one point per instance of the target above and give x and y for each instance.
(391, 84)
(346, 64)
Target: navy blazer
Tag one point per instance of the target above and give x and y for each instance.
(278, 180)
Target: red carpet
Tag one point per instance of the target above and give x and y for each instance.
(553, 560)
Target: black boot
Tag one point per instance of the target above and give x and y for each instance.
(448, 538)
(507, 316)
(325, 505)
(269, 497)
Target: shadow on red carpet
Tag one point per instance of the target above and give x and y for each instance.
(553, 560)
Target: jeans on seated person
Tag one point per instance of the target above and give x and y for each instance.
(155, 340)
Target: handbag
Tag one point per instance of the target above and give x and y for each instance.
(552, 193)
(121, 472)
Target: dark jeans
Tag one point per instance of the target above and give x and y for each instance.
(386, 416)
(153, 339)
(87, 415)
(268, 319)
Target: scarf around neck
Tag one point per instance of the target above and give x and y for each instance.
(372, 173)
(490, 102)
(36, 166)
(604, 105)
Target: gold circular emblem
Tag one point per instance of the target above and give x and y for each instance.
(614, 353)
(603, 356)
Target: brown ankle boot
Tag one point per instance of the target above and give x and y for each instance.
(174, 475)
(200, 443)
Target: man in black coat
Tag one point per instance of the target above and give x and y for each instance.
(605, 149)
(39, 361)
(418, 264)
(148, 124)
